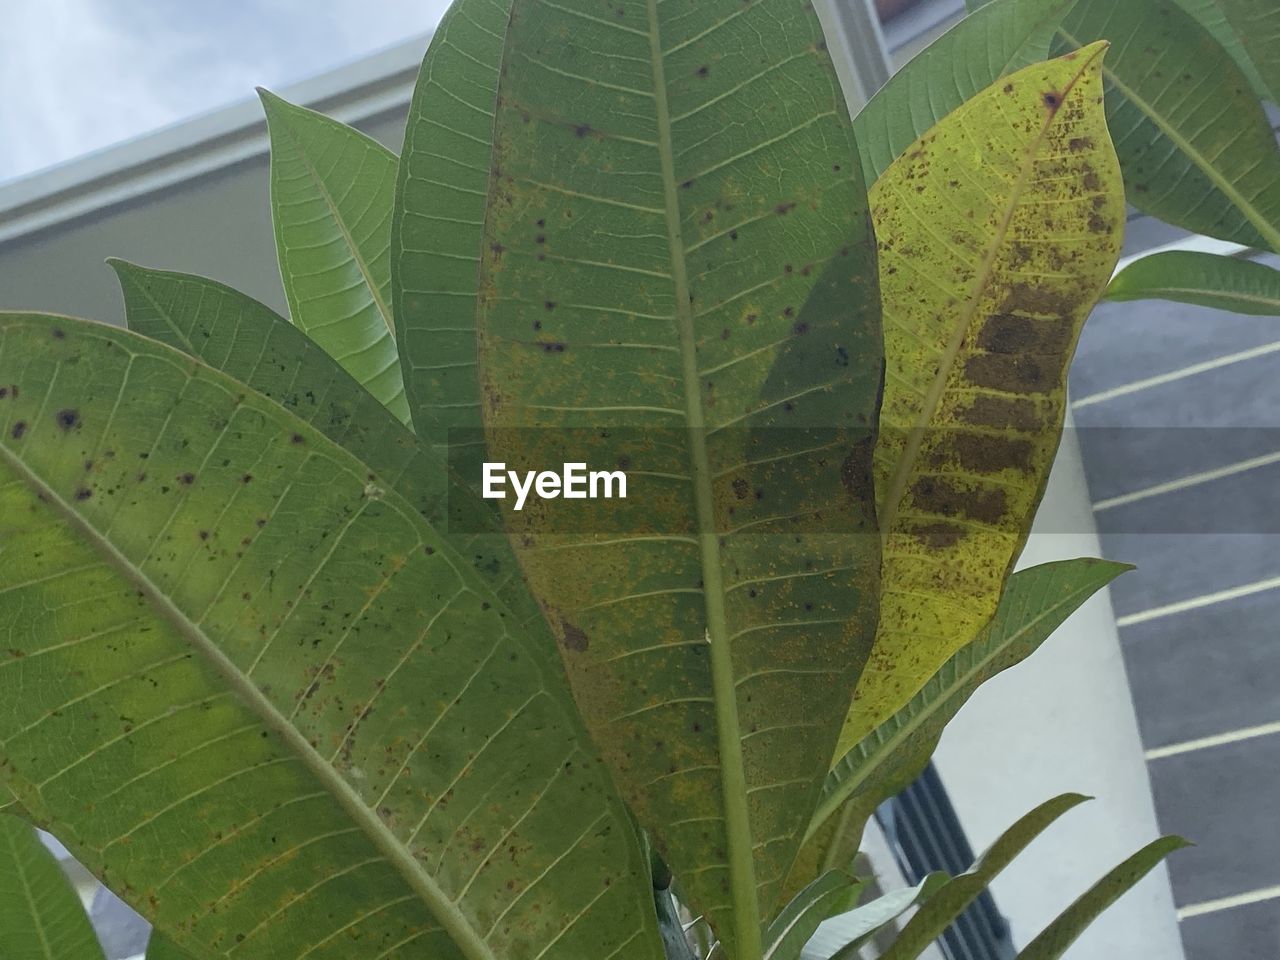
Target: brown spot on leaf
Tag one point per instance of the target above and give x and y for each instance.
(937, 535)
(574, 638)
(18, 430)
(945, 498)
(1003, 412)
(68, 419)
(985, 453)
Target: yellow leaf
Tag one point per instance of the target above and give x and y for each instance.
(998, 231)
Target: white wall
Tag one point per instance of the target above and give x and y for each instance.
(1064, 721)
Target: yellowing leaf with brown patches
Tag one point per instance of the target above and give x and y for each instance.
(998, 231)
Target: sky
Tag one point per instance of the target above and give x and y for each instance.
(80, 75)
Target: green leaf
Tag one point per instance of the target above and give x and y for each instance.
(998, 232)
(1195, 146)
(662, 275)
(1004, 35)
(1204, 279)
(862, 924)
(1059, 935)
(440, 202)
(41, 917)
(832, 893)
(953, 897)
(8, 802)
(1035, 603)
(1257, 27)
(160, 947)
(332, 191)
(267, 701)
(251, 343)
(1209, 14)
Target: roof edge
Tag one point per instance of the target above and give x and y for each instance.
(359, 91)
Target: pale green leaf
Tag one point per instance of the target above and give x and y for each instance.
(41, 917)
(860, 925)
(1004, 35)
(677, 265)
(307, 726)
(1059, 935)
(832, 893)
(998, 232)
(951, 899)
(332, 191)
(1035, 602)
(1203, 279)
(1195, 146)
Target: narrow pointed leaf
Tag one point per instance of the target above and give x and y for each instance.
(830, 894)
(1203, 279)
(1209, 14)
(1034, 604)
(263, 698)
(1256, 24)
(332, 191)
(41, 917)
(663, 273)
(1003, 36)
(951, 899)
(1195, 146)
(1066, 929)
(251, 343)
(860, 925)
(998, 232)
(441, 195)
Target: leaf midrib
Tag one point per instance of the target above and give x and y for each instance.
(828, 805)
(906, 461)
(366, 272)
(454, 922)
(1264, 226)
(733, 784)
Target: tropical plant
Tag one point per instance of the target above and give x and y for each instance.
(279, 673)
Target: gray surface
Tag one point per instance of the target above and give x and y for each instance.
(1160, 337)
(1205, 671)
(1214, 668)
(1250, 932)
(1224, 800)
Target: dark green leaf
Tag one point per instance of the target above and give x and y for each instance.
(1003, 36)
(1257, 27)
(441, 193)
(1210, 15)
(1204, 279)
(660, 272)
(1194, 144)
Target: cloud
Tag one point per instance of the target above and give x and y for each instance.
(79, 75)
